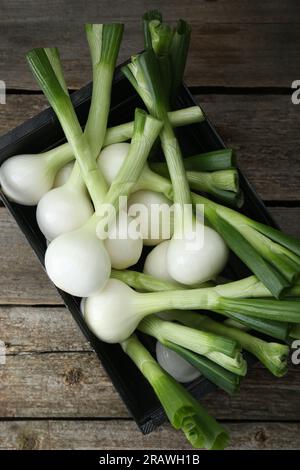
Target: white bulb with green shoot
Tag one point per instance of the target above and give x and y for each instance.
(248, 287)
(68, 207)
(115, 312)
(208, 256)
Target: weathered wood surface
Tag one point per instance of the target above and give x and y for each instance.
(103, 435)
(21, 276)
(233, 44)
(51, 371)
(263, 129)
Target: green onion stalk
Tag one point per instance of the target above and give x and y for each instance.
(144, 74)
(272, 355)
(178, 118)
(145, 282)
(222, 184)
(248, 287)
(223, 159)
(182, 410)
(222, 378)
(213, 347)
(170, 47)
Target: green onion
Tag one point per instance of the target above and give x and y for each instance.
(248, 287)
(170, 47)
(182, 410)
(221, 183)
(279, 310)
(181, 117)
(272, 355)
(145, 282)
(190, 338)
(62, 105)
(144, 74)
(216, 160)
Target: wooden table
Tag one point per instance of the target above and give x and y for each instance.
(244, 55)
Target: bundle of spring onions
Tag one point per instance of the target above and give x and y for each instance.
(92, 191)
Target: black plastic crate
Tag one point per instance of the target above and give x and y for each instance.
(43, 132)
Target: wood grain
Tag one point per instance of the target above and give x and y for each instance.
(74, 385)
(233, 43)
(109, 435)
(263, 130)
(23, 281)
(80, 11)
(22, 278)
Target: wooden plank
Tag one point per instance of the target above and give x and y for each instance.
(233, 43)
(44, 329)
(110, 435)
(230, 11)
(262, 128)
(74, 385)
(23, 281)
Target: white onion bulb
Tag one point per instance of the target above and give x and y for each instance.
(156, 262)
(124, 251)
(77, 262)
(26, 178)
(110, 313)
(63, 210)
(63, 175)
(180, 369)
(111, 159)
(199, 260)
(152, 216)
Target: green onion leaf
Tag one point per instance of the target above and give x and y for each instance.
(222, 378)
(182, 410)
